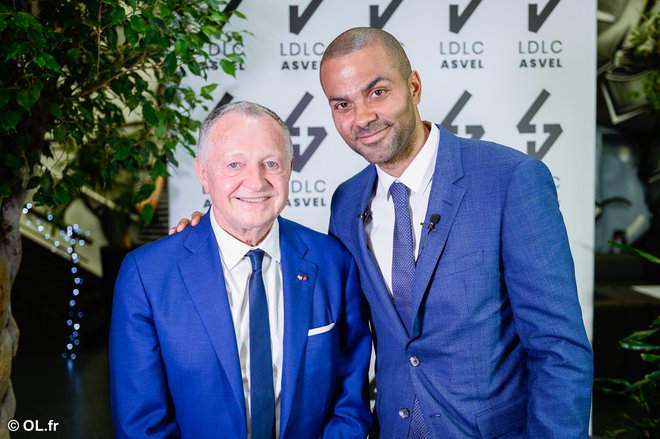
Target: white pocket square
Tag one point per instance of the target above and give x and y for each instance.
(320, 330)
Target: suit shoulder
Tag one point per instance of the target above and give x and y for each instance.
(484, 156)
(356, 182)
(487, 150)
(163, 247)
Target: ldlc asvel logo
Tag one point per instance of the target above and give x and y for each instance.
(553, 130)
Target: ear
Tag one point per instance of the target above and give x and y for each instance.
(200, 170)
(291, 165)
(415, 86)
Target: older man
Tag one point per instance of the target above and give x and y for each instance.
(248, 325)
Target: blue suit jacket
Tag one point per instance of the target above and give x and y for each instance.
(174, 365)
(498, 330)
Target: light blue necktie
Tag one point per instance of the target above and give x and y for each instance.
(403, 272)
(262, 394)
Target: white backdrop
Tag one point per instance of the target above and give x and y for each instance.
(518, 72)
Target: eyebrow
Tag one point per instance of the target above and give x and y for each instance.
(364, 89)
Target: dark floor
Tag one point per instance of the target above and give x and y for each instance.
(75, 393)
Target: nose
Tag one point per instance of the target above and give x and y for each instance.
(255, 178)
(364, 115)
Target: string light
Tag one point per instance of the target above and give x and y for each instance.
(64, 242)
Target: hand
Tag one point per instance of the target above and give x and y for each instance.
(195, 218)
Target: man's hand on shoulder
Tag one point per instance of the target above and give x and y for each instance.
(195, 218)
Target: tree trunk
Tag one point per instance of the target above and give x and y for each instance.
(10, 259)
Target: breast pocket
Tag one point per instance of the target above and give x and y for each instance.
(321, 336)
(463, 262)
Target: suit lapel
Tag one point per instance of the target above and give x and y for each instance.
(444, 200)
(202, 274)
(378, 295)
(298, 295)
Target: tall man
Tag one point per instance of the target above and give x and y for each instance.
(478, 329)
(476, 320)
(248, 325)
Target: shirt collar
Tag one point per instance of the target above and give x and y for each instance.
(233, 250)
(419, 172)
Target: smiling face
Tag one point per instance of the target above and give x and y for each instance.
(246, 172)
(374, 107)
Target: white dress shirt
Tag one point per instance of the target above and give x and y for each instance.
(237, 269)
(380, 228)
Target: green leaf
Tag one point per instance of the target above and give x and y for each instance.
(170, 157)
(641, 335)
(161, 130)
(47, 60)
(210, 29)
(194, 67)
(11, 161)
(206, 90)
(73, 53)
(9, 120)
(228, 67)
(46, 181)
(239, 14)
(147, 213)
(169, 65)
(25, 21)
(159, 169)
(143, 192)
(27, 97)
(138, 24)
(653, 376)
(55, 110)
(17, 48)
(651, 358)
(634, 251)
(636, 345)
(118, 15)
(149, 114)
(236, 58)
(60, 132)
(133, 101)
(62, 195)
(122, 152)
(165, 10)
(132, 37)
(181, 47)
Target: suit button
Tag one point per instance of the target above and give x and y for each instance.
(404, 413)
(414, 361)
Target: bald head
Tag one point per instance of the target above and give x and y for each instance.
(362, 37)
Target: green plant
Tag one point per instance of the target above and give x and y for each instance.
(92, 95)
(644, 41)
(644, 393)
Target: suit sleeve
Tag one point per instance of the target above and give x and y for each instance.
(141, 406)
(540, 280)
(351, 416)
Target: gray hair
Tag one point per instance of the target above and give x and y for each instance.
(242, 107)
